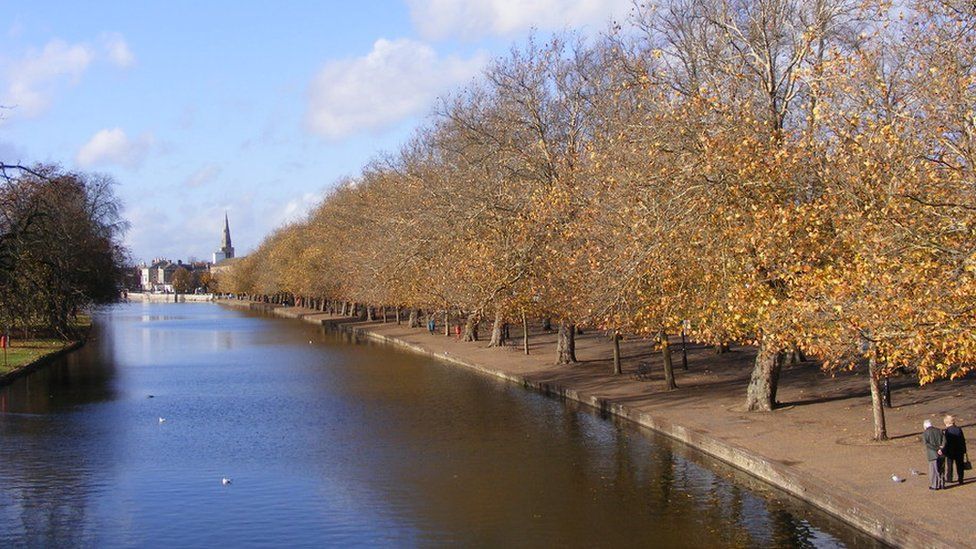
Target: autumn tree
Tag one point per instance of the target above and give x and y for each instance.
(182, 281)
(793, 175)
(60, 245)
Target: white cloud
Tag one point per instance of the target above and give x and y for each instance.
(181, 226)
(113, 146)
(297, 209)
(117, 50)
(33, 80)
(202, 176)
(397, 79)
(464, 19)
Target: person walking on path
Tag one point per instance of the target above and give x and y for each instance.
(934, 441)
(955, 449)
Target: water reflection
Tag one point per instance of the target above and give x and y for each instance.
(51, 472)
(331, 442)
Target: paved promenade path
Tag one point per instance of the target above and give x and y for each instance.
(817, 445)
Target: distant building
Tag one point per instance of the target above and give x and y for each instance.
(226, 250)
(158, 275)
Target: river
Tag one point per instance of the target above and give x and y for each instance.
(330, 442)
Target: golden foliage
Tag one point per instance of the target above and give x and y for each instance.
(818, 193)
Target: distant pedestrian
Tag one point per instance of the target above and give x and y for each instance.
(934, 441)
(955, 449)
(431, 325)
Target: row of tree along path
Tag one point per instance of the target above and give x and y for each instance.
(796, 176)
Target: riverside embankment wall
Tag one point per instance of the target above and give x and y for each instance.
(26, 369)
(886, 524)
(169, 298)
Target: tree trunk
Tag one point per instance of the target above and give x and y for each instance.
(471, 328)
(669, 384)
(566, 344)
(447, 323)
(370, 313)
(615, 337)
(497, 331)
(525, 333)
(684, 351)
(414, 320)
(761, 395)
(398, 315)
(877, 400)
(383, 311)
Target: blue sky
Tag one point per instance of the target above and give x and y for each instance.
(252, 108)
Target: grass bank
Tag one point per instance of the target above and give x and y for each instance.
(25, 355)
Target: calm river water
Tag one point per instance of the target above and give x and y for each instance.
(333, 443)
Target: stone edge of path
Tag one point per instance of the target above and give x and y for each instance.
(866, 516)
(40, 362)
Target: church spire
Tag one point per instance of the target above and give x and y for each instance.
(226, 248)
(225, 243)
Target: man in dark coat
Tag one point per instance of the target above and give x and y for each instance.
(934, 441)
(955, 449)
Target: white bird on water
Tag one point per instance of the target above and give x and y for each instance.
(896, 478)
(225, 481)
(162, 420)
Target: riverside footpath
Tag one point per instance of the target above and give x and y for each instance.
(817, 445)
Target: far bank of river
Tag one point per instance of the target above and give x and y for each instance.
(168, 298)
(811, 449)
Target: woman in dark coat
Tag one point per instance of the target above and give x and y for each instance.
(955, 449)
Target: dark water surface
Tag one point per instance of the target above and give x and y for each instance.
(332, 443)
